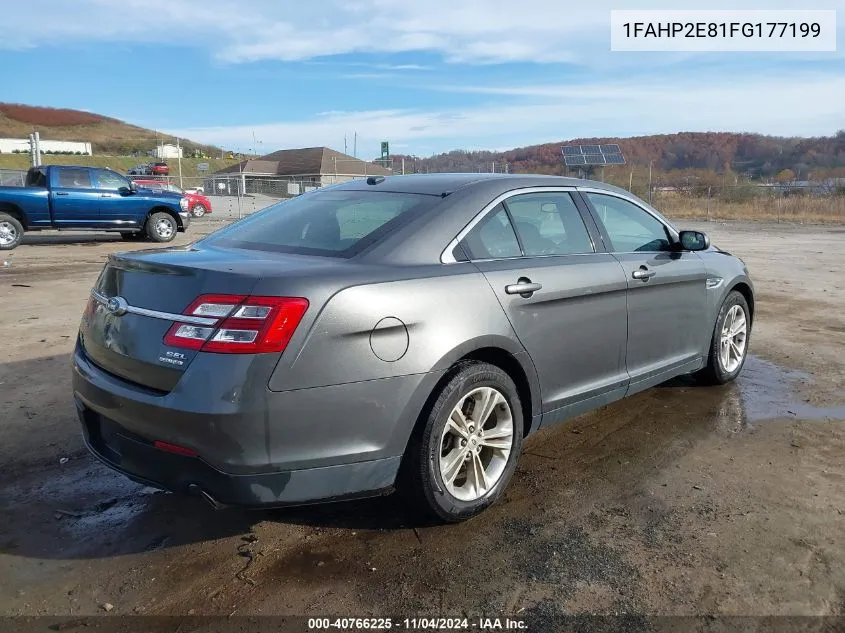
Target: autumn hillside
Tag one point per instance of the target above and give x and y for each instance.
(107, 135)
(697, 154)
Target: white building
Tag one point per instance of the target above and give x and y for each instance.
(167, 150)
(21, 145)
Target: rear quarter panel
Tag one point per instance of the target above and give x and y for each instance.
(372, 356)
(423, 321)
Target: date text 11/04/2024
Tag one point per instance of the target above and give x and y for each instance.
(417, 624)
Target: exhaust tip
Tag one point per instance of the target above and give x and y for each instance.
(195, 490)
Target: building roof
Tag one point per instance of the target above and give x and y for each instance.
(309, 161)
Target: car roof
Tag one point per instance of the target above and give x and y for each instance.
(446, 184)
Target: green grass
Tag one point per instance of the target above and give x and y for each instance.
(118, 163)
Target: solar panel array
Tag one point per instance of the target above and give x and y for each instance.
(576, 155)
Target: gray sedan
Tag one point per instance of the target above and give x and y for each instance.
(395, 332)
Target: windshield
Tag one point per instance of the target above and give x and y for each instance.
(337, 223)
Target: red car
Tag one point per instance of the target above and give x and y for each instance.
(198, 204)
(159, 169)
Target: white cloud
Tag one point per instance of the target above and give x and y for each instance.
(809, 105)
(473, 31)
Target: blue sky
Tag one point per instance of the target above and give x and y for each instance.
(427, 76)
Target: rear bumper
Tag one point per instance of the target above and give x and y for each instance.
(262, 448)
(138, 459)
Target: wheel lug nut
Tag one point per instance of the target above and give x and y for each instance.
(463, 442)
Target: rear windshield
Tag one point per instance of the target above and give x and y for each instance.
(331, 222)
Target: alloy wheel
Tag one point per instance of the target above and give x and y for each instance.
(476, 444)
(733, 341)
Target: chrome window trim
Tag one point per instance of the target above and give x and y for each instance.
(156, 314)
(446, 256)
(633, 201)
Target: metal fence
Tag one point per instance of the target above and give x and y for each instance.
(810, 203)
(805, 202)
(12, 177)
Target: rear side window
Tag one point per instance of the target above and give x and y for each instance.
(73, 178)
(493, 237)
(549, 223)
(36, 178)
(333, 222)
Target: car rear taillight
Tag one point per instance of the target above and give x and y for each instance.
(242, 325)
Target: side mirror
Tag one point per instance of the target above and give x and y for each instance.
(694, 241)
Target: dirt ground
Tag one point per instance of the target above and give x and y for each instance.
(679, 500)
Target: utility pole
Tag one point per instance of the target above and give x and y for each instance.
(403, 165)
(355, 146)
(344, 145)
(179, 160)
(242, 183)
(650, 163)
(37, 137)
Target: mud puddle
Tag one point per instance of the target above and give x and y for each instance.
(768, 392)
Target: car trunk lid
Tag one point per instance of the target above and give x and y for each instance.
(139, 296)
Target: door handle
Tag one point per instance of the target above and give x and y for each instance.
(61, 193)
(523, 287)
(643, 274)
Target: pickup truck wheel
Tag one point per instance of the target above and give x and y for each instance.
(11, 232)
(198, 210)
(161, 227)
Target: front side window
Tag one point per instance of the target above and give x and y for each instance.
(338, 223)
(493, 237)
(109, 180)
(549, 223)
(74, 178)
(630, 228)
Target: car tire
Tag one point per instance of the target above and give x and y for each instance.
(161, 227)
(11, 232)
(434, 449)
(727, 354)
(198, 210)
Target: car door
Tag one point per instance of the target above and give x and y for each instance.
(118, 205)
(564, 297)
(74, 201)
(667, 294)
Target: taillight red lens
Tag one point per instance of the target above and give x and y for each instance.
(243, 325)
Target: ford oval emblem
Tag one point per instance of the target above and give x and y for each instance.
(117, 306)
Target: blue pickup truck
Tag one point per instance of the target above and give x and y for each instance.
(84, 198)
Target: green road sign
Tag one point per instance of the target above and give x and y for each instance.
(385, 150)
